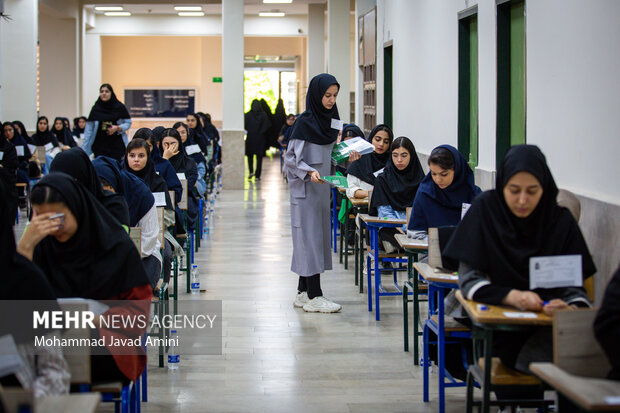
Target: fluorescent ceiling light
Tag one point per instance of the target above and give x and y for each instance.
(278, 1)
(109, 8)
(117, 13)
(271, 14)
(188, 8)
(191, 13)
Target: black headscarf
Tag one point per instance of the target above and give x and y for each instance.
(23, 132)
(45, 137)
(315, 123)
(110, 111)
(64, 135)
(150, 177)
(181, 162)
(17, 141)
(365, 167)
(397, 188)
(192, 135)
(137, 194)
(493, 240)
(353, 129)
(99, 261)
(75, 163)
(77, 131)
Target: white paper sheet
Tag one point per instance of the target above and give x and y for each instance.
(464, 208)
(20, 150)
(1, 155)
(49, 147)
(514, 314)
(556, 271)
(612, 399)
(376, 174)
(181, 176)
(32, 148)
(192, 149)
(160, 199)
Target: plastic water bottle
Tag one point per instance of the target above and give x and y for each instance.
(195, 280)
(173, 351)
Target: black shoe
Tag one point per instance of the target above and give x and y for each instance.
(251, 176)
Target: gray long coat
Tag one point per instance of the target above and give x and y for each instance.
(309, 206)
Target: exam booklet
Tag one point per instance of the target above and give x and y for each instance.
(335, 180)
(341, 151)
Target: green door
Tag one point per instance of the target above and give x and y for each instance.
(468, 89)
(387, 85)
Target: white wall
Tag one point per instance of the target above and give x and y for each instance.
(573, 92)
(91, 72)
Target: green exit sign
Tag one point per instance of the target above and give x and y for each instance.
(217, 80)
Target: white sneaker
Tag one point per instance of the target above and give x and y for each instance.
(321, 305)
(301, 299)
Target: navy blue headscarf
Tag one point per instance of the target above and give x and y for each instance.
(436, 207)
(137, 194)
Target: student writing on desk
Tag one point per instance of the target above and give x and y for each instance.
(503, 229)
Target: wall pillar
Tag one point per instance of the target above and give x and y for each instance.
(18, 60)
(316, 40)
(339, 52)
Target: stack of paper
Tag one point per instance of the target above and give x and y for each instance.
(336, 180)
(341, 151)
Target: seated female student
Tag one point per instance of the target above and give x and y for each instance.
(439, 201)
(196, 132)
(361, 175)
(213, 136)
(502, 230)
(9, 163)
(607, 325)
(79, 124)
(138, 162)
(76, 164)
(44, 138)
(395, 188)
(21, 149)
(174, 151)
(193, 150)
(63, 133)
(142, 210)
(45, 370)
(87, 254)
(285, 130)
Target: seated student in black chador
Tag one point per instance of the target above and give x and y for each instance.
(607, 325)
(88, 254)
(502, 230)
(439, 201)
(75, 162)
(21, 149)
(171, 147)
(395, 189)
(138, 162)
(63, 133)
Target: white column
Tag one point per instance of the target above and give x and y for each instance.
(232, 95)
(316, 39)
(339, 51)
(18, 59)
(91, 71)
(361, 8)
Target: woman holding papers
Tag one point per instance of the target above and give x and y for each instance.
(395, 188)
(138, 162)
(308, 157)
(142, 210)
(442, 193)
(193, 151)
(76, 164)
(86, 253)
(502, 231)
(361, 174)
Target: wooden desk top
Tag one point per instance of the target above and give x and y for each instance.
(410, 243)
(495, 314)
(341, 190)
(359, 202)
(73, 403)
(431, 275)
(588, 393)
(376, 220)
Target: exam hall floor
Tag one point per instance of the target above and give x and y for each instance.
(276, 358)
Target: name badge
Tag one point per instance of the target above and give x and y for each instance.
(192, 149)
(556, 271)
(1, 155)
(32, 148)
(464, 208)
(20, 150)
(337, 124)
(181, 176)
(376, 174)
(160, 199)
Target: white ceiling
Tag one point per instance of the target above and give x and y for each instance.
(251, 7)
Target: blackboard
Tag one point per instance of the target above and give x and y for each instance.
(160, 103)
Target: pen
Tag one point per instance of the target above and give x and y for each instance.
(482, 307)
(545, 303)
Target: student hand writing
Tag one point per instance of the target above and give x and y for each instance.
(40, 227)
(354, 156)
(170, 151)
(554, 305)
(523, 300)
(315, 176)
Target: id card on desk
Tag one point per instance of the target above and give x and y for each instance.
(556, 271)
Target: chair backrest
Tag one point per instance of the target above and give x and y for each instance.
(79, 364)
(160, 221)
(408, 212)
(183, 203)
(172, 198)
(575, 349)
(135, 233)
(369, 198)
(568, 200)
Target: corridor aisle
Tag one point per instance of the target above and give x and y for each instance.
(277, 358)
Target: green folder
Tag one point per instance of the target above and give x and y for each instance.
(336, 180)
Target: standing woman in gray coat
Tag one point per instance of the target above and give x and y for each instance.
(308, 157)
